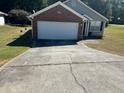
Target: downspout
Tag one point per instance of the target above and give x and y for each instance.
(31, 19)
(82, 29)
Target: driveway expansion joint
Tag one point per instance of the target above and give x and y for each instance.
(57, 64)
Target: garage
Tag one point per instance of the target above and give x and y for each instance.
(57, 30)
(57, 22)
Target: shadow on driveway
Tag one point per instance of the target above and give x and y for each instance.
(48, 43)
(24, 40)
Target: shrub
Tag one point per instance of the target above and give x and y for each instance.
(17, 16)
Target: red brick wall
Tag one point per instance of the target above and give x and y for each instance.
(58, 14)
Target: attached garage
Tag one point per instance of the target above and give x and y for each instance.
(57, 22)
(57, 30)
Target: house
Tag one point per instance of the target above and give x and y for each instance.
(2, 19)
(96, 22)
(70, 20)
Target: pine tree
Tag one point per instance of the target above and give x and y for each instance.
(45, 3)
(109, 10)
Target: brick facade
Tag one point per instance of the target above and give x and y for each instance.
(58, 14)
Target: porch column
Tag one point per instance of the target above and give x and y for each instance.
(87, 28)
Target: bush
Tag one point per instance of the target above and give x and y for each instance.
(17, 16)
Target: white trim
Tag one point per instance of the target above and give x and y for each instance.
(89, 8)
(1, 13)
(88, 17)
(56, 4)
(87, 29)
(66, 1)
(45, 9)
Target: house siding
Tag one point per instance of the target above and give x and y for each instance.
(58, 14)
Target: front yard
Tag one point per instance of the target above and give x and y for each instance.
(113, 41)
(13, 42)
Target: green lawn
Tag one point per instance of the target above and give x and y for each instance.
(112, 42)
(13, 42)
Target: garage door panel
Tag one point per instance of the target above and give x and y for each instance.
(57, 30)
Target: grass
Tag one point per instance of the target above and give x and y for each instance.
(112, 42)
(12, 42)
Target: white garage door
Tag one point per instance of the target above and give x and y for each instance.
(57, 30)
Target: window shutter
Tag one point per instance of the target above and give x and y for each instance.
(101, 26)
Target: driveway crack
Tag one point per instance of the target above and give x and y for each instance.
(76, 80)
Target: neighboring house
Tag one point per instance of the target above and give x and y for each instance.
(2, 19)
(71, 20)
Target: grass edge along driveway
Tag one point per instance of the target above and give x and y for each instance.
(14, 40)
(112, 42)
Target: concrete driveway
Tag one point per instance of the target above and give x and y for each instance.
(66, 68)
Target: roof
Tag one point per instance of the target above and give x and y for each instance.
(1, 13)
(88, 17)
(56, 4)
(89, 9)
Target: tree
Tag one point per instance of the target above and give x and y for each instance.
(17, 16)
(109, 9)
(112, 9)
(45, 3)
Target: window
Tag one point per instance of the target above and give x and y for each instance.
(95, 26)
(95, 23)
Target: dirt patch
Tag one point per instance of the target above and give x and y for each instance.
(2, 62)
